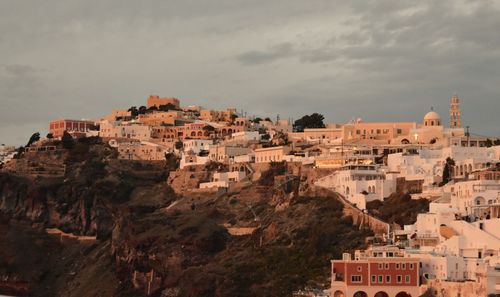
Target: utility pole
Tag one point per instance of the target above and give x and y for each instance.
(468, 135)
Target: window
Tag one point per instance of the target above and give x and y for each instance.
(380, 266)
(403, 266)
(407, 279)
(397, 265)
(360, 268)
(356, 278)
(399, 279)
(399, 131)
(386, 266)
(411, 266)
(388, 279)
(380, 278)
(374, 278)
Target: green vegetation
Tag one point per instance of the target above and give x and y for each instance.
(448, 167)
(233, 118)
(67, 140)
(275, 169)
(167, 107)
(34, 138)
(125, 204)
(292, 248)
(314, 120)
(398, 208)
(257, 120)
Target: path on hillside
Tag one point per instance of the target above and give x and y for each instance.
(359, 217)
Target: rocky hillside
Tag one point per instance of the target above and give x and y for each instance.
(257, 240)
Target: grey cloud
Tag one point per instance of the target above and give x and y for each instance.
(18, 70)
(343, 58)
(274, 53)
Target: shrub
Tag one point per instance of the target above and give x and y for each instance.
(275, 169)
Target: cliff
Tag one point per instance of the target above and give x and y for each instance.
(157, 241)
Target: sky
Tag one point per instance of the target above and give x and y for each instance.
(377, 60)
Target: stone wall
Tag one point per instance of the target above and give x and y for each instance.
(454, 289)
(408, 186)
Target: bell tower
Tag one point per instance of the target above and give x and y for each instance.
(455, 112)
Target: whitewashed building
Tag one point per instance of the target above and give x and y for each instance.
(360, 183)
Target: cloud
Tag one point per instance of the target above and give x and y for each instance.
(276, 52)
(378, 59)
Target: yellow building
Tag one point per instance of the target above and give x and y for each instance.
(271, 154)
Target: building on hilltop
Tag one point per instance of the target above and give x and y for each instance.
(129, 130)
(455, 112)
(155, 100)
(74, 127)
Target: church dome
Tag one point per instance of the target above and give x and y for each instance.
(432, 115)
(432, 118)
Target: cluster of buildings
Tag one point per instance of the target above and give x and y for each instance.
(451, 250)
(371, 159)
(448, 251)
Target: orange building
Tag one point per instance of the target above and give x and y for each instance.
(155, 100)
(57, 127)
(375, 277)
(377, 131)
(160, 118)
(192, 131)
(164, 133)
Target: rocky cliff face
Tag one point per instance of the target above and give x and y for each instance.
(160, 242)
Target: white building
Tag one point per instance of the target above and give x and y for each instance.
(360, 183)
(225, 153)
(475, 198)
(108, 129)
(197, 145)
(138, 150)
(428, 164)
(223, 179)
(245, 136)
(248, 158)
(456, 256)
(192, 160)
